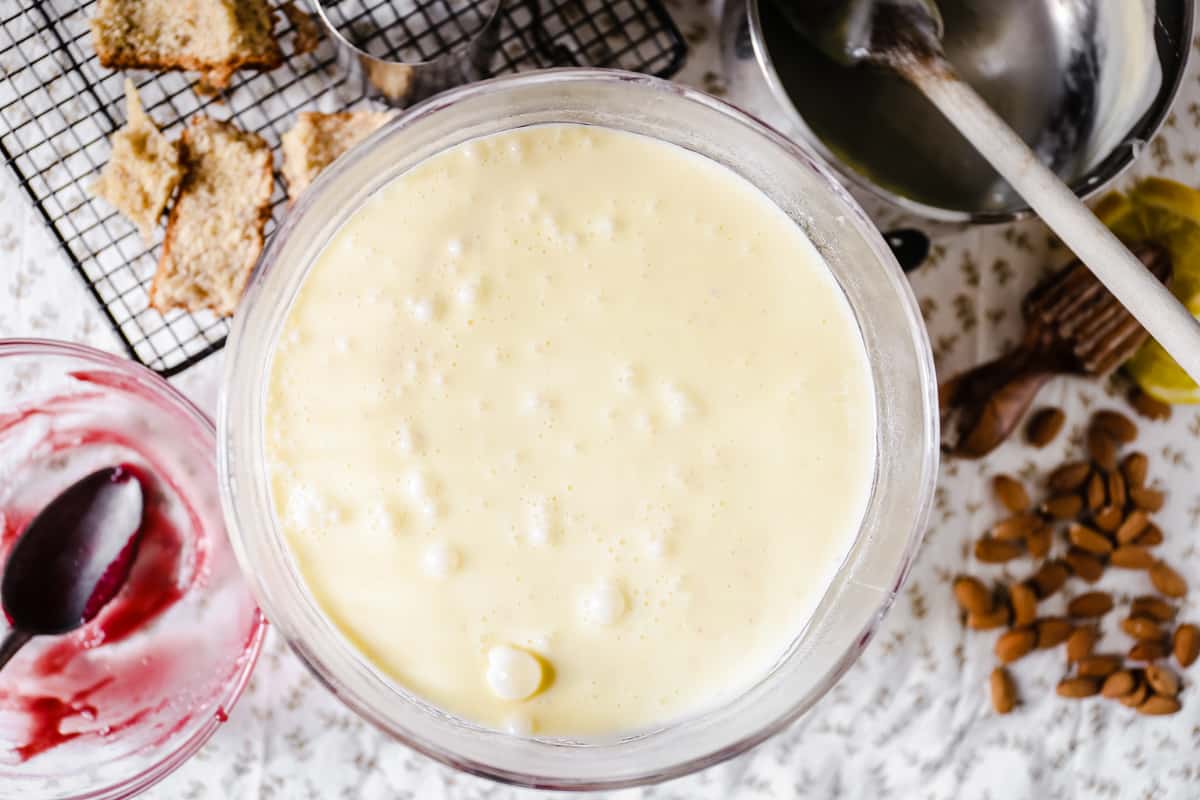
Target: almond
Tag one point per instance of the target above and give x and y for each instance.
(1108, 518)
(1015, 527)
(1152, 606)
(1085, 565)
(1049, 578)
(1078, 687)
(1119, 684)
(1102, 449)
(1134, 467)
(998, 617)
(1116, 489)
(996, 551)
(972, 596)
(1044, 425)
(1070, 477)
(1063, 506)
(1096, 492)
(1148, 650)
(1039, 540)
(1014, 644)
(1024, 604)
(1087, 539)
(1098, 666)
(1156, 705)
(1139, 694)
(1091, 604)
(1120, 427)
(1147, 499)
(1148, 406)
(1150, 537)
(1167, 580)
(1004, 692)
(1010, 493)
(1081, 642)
(1162, 680)
(1132, 527)
(1130, 556)
(1142, 628)
(1052, 631)
(1187, 644)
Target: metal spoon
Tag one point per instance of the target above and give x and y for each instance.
(905, 36)
(72, 558)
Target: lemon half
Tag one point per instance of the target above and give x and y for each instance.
(1168, 213)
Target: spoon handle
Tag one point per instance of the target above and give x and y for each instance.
(1151, 303)
(13, 642)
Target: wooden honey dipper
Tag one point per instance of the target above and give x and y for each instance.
(1073, 326)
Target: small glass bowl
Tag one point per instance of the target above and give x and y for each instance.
(892, 331)
(146, 698)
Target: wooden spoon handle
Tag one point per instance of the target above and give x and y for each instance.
(1139, 291)
(981, 407)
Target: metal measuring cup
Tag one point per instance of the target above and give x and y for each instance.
(403, 52)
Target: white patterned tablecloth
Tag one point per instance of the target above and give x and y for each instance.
(911, 719)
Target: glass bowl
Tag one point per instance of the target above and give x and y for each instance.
(110, 709)
(901, 364)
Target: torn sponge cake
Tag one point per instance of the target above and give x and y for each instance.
(143, 170)
(317, 140)
(214, 37)
(215, 231)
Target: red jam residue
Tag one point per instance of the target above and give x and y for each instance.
(158, 578)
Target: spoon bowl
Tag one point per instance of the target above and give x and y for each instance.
(73, 557)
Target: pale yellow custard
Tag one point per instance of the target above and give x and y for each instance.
(569, 430)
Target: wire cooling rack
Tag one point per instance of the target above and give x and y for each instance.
(58, 107)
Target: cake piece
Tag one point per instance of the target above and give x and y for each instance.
(215, 37)
(317, 140)
(215, 231)
(143, 170)
(307, 31)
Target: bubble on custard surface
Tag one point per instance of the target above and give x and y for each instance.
(513, 673)
(656, 547)
(516, 152)
(534, 402)
(341, 344)
(643, 422)
(381, 522)
(540, 526)
(422, 309)
(440, 560)
(468, 293)
(407, 438)
(540, 643)
(430, 508)
(679, 403)
(454, 247)
(305, 506)
(603, 603)
(627, 377)
(603, 227)
(519, 725)
(417, 485)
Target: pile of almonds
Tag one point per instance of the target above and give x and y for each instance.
(1102, 507)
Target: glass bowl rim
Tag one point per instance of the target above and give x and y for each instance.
(246, 526)
(167, 764)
